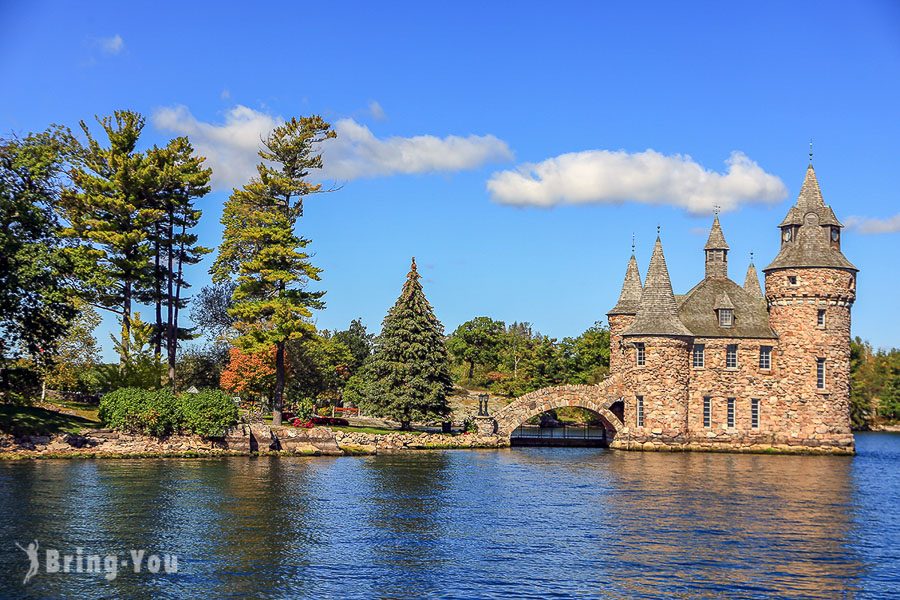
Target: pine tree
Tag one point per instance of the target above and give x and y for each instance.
(178, 177)
(110, 212)
(409, 373)
(259, 246)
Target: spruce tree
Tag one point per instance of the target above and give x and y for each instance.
(409, 373)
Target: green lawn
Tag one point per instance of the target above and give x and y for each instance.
(30, 420)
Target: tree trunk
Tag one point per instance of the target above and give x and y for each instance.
(173, 345)
(405, 426)
(126, 319)
(157, 275)
(171, 328)
(471, 369)
(278, 401)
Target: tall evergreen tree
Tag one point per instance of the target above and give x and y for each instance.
(259, 246)
(110, 212)
(409, 373)
(178, 178)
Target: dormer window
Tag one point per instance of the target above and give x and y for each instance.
(792, 280)
(726, 317)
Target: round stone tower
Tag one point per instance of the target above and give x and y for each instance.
(622, 315)
(657, 359)
(810, 288)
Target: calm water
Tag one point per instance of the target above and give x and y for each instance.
(534, 522)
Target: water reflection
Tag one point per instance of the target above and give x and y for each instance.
(531, 522)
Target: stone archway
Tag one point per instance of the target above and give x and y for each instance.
(596, 398)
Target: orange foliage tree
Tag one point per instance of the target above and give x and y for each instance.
(249, 373)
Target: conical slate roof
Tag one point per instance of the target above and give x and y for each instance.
(811, 246)
(630, 297)
(716, 239)
(751, 282)
(658, 311)
(810, 199)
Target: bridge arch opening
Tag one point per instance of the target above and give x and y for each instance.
(599, 400)
(570, 426)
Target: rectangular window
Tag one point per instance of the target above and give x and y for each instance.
(640, 354)
(820, 373)
(640, 411)
(820, 317)
(731, 356)
(697, 358)
(754, 413)
(765, 357)
(707, 411)
(792, 279)
(726, 317)
(731, 412)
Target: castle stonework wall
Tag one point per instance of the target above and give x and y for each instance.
(617, 324)
(813, 415)
(743, 383)
(662, 382)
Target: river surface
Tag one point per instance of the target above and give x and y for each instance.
(523, 522)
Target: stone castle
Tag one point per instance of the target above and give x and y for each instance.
(728, 366)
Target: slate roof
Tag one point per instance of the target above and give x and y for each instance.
(716, 239)
(658, 310)
(630, 297)
(751, 282)
(697, 311)
(811, 246)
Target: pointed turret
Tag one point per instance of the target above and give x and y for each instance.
(716, 240)
(630, 297)
(716, 251)
(810, 232)
(658, 311)
(751, 282)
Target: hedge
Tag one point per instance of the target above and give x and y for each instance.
(159, 413)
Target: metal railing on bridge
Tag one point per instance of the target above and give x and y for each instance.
(566, 435)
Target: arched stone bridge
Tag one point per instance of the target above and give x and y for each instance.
(597, 398)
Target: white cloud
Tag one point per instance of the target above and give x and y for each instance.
(231, 147)
(358, 153)
(112, 45)
(871, 225)
(609, 177)
(376, 111)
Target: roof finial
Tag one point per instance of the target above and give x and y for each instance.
(632, 243)
(751, 257)
(810, 151)
(412, 267)
(716, 209)
(657, 230)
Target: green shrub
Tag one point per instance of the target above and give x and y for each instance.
(137, 410)
(208, 412)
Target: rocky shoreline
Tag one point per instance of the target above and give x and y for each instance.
(243, 440)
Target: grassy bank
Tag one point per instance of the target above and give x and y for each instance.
(34, 420)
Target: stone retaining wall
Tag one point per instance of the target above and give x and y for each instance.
(241, 440)
(368, 443)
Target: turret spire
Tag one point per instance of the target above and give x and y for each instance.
(630, 296)
(751, 281)
(716, 251)
(658, 310)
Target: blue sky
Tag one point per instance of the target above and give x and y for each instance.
(513, 148)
